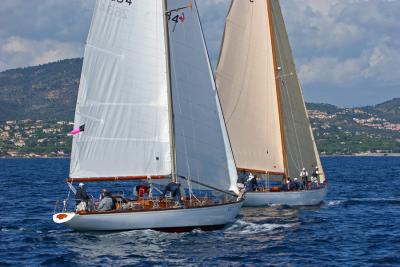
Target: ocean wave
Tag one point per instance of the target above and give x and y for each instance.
(372, 200)
(9, 229)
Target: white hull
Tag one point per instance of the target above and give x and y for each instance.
(173, 219)
(290, 198)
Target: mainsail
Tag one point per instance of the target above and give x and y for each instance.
(156, 112)
(246, 83)
(261, 96)
(122, 97)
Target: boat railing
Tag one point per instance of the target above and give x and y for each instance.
(282, 188)
(142, 203)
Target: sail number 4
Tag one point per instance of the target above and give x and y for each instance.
(123, 1)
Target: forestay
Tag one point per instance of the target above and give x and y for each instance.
(202, 148)
(123, 100)
(246, 82)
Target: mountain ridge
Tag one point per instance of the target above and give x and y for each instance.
(49, 91)
(47, 94)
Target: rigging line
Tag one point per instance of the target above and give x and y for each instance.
(245, 64)
(287, 94)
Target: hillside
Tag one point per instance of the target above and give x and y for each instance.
(42, 92)
(355, 130)
(38, 103)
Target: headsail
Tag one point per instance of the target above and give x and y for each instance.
(299, 140)
(246, 83)
(202, 148)
(122, 99)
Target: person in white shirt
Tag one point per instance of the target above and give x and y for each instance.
(304, 177)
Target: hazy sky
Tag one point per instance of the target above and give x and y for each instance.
(347, 52)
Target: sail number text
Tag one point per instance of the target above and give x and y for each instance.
(123, 1)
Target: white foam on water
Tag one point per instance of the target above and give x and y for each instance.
(334, 202)
(243, 227)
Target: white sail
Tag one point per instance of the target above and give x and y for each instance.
(202, 147)
(123, 99)
(246, 82)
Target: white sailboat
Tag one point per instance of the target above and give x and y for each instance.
(263, 106)
(148, 110)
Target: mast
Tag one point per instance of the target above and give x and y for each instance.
(169, 90)
(277, 88)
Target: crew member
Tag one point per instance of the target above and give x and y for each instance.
(174, 188)
(81, 195)
(304, 177)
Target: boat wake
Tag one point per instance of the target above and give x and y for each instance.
(243, 227)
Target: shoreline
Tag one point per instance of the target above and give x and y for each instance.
(322, 156)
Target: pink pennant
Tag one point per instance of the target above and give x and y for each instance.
(77, 130)
(74, 132)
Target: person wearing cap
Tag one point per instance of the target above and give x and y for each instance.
(304, 177)
(81, 195)
(315, 173)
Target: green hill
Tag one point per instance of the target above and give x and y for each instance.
(46, 95)
(42, 92)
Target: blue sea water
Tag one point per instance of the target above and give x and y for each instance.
(357, 225)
